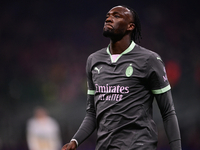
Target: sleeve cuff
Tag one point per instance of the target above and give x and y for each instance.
(75, 141)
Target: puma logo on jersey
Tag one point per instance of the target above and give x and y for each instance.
(97, 69)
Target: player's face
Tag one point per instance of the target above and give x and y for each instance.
(118, 22)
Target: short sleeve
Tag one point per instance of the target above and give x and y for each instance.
(157, 76)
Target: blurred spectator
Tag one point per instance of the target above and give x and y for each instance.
(43, 132)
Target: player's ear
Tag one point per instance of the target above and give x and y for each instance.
(131, 26)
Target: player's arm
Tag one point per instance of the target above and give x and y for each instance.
(89, 123)
(166, 106)
(161, 89)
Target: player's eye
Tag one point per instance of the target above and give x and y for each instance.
(107, 16)
(117, 16)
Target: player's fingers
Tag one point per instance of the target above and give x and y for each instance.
(69, 146)
(65, 146)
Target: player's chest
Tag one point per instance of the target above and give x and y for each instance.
(116, 73)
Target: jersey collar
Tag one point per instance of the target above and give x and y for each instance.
(132, 45)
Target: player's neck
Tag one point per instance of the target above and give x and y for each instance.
(117, 47)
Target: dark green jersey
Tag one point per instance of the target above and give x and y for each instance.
(120, 96)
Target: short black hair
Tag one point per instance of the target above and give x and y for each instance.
(136, 34)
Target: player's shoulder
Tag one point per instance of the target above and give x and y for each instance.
(99, 52)
(147, 53)
(97, 55)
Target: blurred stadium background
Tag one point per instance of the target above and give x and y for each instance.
(43, 50)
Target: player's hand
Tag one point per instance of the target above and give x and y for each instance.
(70, 146)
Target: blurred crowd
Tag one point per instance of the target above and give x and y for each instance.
(43, 50)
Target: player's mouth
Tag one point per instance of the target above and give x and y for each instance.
(106, 25)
